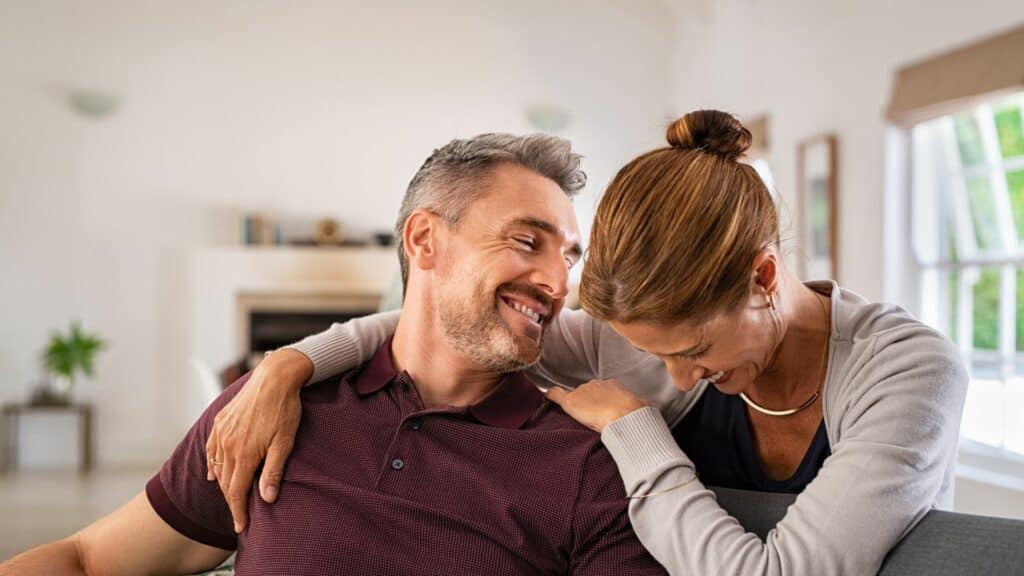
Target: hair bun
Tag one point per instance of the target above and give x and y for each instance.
(711, 131)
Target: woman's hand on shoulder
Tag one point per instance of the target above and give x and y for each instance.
(597, 403)
(259, 423)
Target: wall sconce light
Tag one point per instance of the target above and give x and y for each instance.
(93, 103)
(548, 118)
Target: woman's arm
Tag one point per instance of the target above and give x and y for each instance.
(260, 422)
(344, 346)
(896, 444)
(579, 348)
(571, 353)
(576, 349)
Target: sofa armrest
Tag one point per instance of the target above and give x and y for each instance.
(951, 543)
(942, 543)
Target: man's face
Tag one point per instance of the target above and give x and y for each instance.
(504, 271)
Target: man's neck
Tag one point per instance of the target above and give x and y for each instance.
(442, 375)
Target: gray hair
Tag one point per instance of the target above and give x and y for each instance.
(450, 179)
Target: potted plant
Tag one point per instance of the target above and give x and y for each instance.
(67, 355)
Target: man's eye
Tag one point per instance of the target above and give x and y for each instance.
(526, 242)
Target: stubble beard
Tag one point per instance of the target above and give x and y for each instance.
(476, 328)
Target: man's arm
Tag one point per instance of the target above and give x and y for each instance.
(133, 540)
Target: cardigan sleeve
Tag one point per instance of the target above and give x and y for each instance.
(576, 349)
(346, 345)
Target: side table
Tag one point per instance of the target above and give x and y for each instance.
(10, 417)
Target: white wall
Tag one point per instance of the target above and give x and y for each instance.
(817, 67)
(320, 108)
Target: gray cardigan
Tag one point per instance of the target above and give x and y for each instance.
(893, 397)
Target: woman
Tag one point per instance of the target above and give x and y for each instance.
(778, 385)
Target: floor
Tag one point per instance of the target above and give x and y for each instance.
(38, 507)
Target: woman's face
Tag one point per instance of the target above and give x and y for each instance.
(731, 349)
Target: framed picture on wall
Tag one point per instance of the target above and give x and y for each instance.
(818, 206)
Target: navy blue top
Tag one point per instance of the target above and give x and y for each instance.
(717, 437)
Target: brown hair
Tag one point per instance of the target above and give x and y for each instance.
(677, 229)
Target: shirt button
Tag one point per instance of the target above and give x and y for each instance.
(415, 424)
(397, 464)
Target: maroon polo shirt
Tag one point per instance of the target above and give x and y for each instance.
(378, 484)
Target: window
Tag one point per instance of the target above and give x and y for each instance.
(967, 228)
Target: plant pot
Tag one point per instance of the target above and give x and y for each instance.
(61, 387)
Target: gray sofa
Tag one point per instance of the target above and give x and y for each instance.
(942, 543)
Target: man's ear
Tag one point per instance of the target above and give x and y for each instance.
(421, 239)
(765, 271)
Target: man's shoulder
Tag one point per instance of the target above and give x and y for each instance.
(551, 419)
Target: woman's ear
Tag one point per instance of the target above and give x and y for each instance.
(765, 272)
(420, 239)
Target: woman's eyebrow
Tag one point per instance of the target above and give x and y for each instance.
(693, 350)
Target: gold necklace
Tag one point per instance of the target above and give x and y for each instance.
(809, 401)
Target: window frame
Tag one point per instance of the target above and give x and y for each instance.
(908, 266)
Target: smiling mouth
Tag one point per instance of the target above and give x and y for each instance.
(719, 377)
(532, 314)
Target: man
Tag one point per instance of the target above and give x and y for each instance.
(438, 456)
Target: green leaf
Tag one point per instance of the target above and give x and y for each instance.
(66, 355)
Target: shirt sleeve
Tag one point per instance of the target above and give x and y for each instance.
(604, 541)
(180, 492)
(885, 473)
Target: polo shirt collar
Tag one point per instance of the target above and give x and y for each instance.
(510, 405)
(379, 372)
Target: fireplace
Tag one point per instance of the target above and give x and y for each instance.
(267, 321)
(243, 300)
